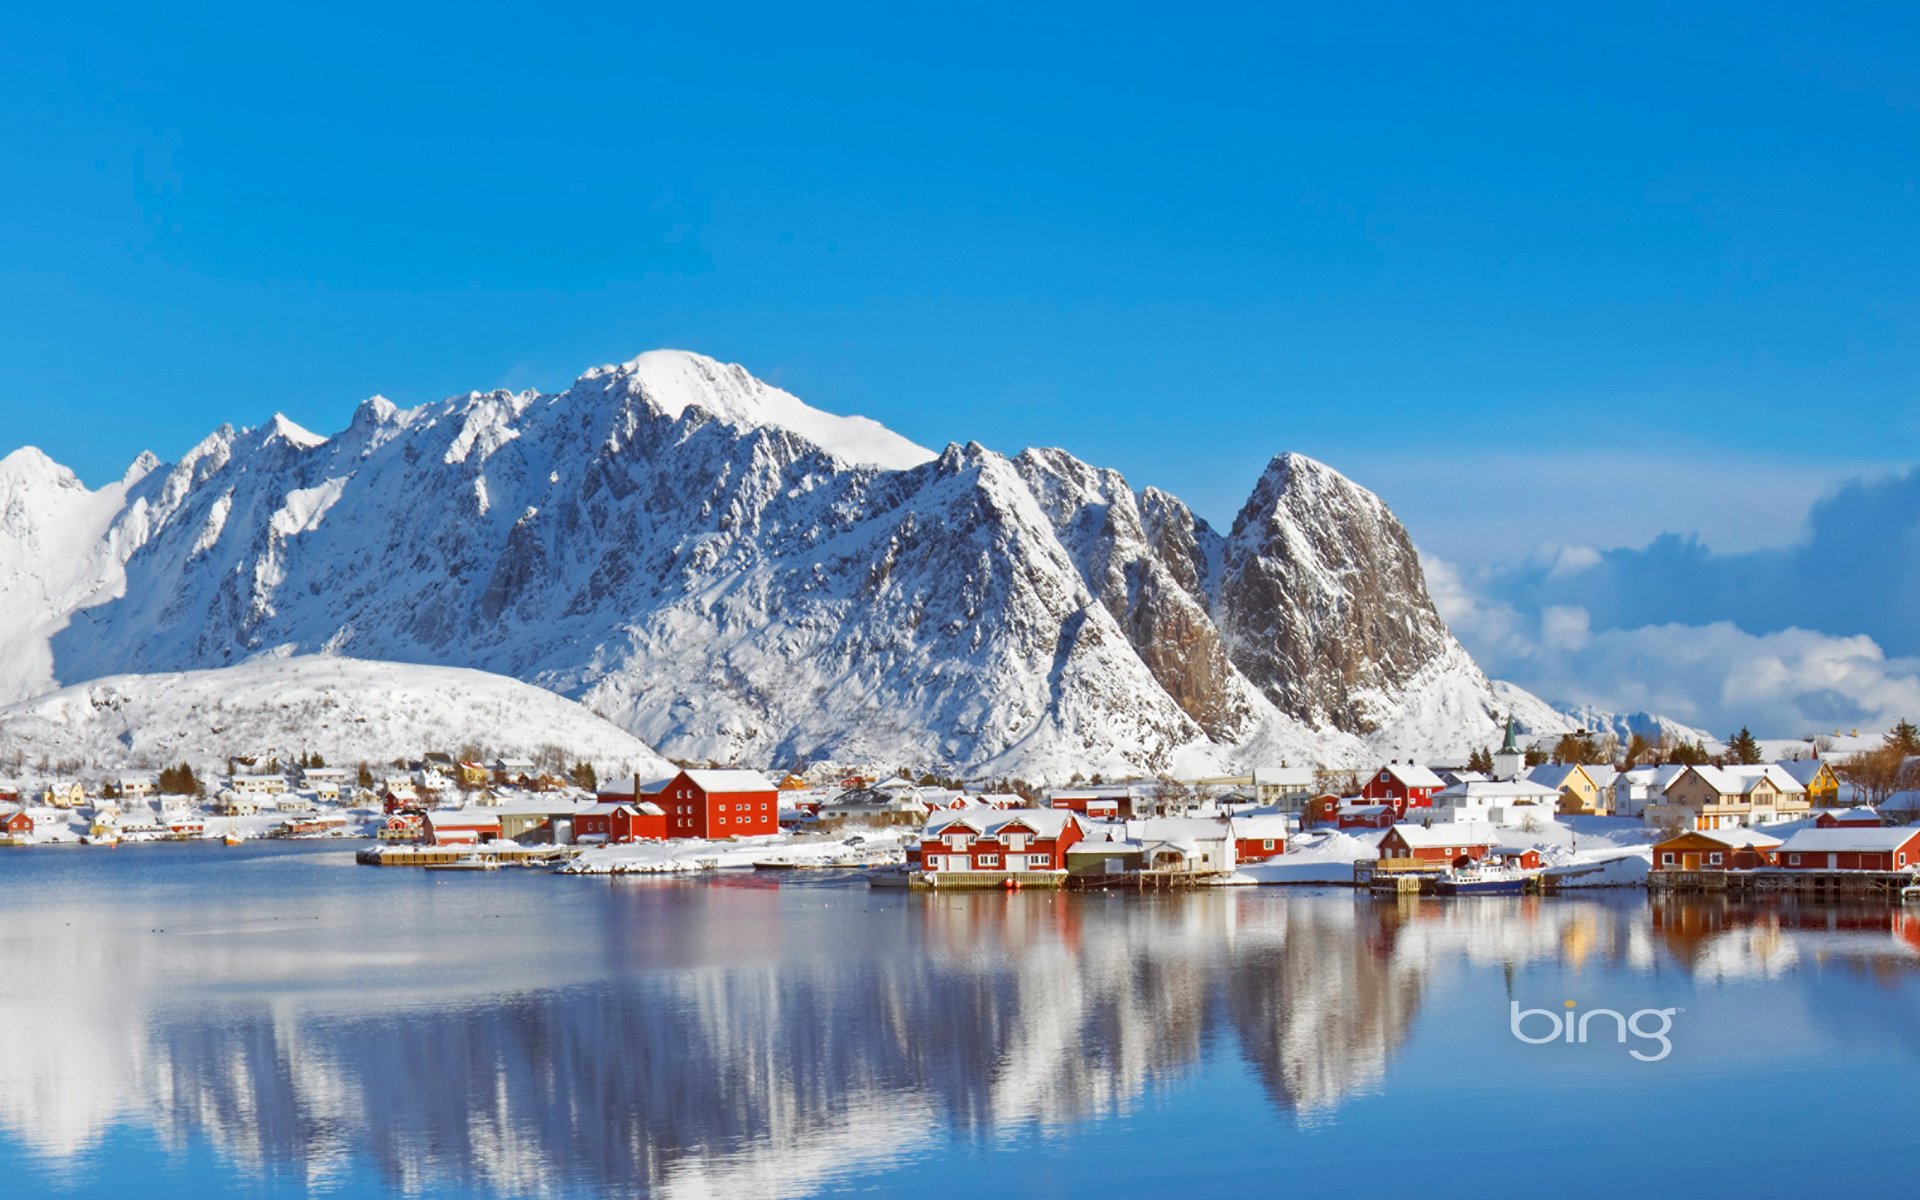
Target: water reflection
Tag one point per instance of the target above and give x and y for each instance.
(539, 1035)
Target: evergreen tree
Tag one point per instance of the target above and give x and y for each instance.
(1481, 760)
(1535, 756)
(1687, 754)
(584, 778)
(1743, 747)
(1904, 738)
(365, 778)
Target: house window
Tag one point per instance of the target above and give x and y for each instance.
(1793, 860)
(1666, 858)
(1267, 844)
(1903, 859)
(1040, 860)
(1714, 858)
(989, 860)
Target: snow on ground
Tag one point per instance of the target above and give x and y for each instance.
(348, 710)
(861, 848)
(1323, 857)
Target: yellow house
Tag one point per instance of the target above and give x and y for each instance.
(1578, 792)
(1813, 774)
(64, 795)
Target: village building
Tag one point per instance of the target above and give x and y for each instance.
(135, 787)
(979, 841)
(257, 785)
(1403, 785)
(1186, 845)
(514, 772)
(236, 804)
(1638, 787)
(1577, 792)
(1105, 802)
(1850, 818)
(1509, 760)
(1258, 837)
(63, 794)
(17, 824)
(1817, 777)
(1356, 814)
(1705, 797)
(619, 824)
(458, 827)
(1513, 803)
(1417, 847)
(719, 804)
(1715, 850)
(1851, 849)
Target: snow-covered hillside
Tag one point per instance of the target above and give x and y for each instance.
(732, 575)
(346, 710)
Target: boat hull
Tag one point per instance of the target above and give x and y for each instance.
(1480, 887)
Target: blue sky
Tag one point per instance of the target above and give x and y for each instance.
(1535, 273)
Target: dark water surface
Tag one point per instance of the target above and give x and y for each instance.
(275, 1020)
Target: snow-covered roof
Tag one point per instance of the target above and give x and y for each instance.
(1044, 822)
(1363, 810)
(456, 818)
(1750, 777)
(1447, 833)
(1555, 775)
(1861, 815)
(1260, 825)
(1497, 789)
(1803, 770)
(1736, 837)
(1414, 775)
(730, 781)
(1173, 828)
(1848, 837)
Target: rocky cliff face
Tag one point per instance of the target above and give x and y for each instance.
(731, 574)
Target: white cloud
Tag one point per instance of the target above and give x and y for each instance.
(1788, 682)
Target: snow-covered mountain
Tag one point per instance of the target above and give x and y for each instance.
(731, 574)
(344, 709)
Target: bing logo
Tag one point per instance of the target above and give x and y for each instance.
(1650, 1025)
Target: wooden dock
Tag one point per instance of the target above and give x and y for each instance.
(1781, 881)
(439, 856)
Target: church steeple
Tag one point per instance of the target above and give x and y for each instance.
(1510, 760)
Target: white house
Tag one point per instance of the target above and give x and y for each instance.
(1508, 802)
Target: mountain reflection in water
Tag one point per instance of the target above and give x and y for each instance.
(532, 1034)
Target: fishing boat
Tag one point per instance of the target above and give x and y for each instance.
(1481, 881)
(233, 838)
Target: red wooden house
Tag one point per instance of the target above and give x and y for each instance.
(17, 824)
(1403, 785)
(459, 827)
(1258, 837)
(1444, 845)
(1093, 803)
(1847, 818)
(1851, 849)
(1364, 816)
(718, 804)
(1715, 850)
(985, 840)
(618, 824)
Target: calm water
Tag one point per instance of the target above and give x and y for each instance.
(197, 1020)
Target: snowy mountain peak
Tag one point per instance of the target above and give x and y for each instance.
(29, 466)
(287, 430)
(671, 381)
(143, 465)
